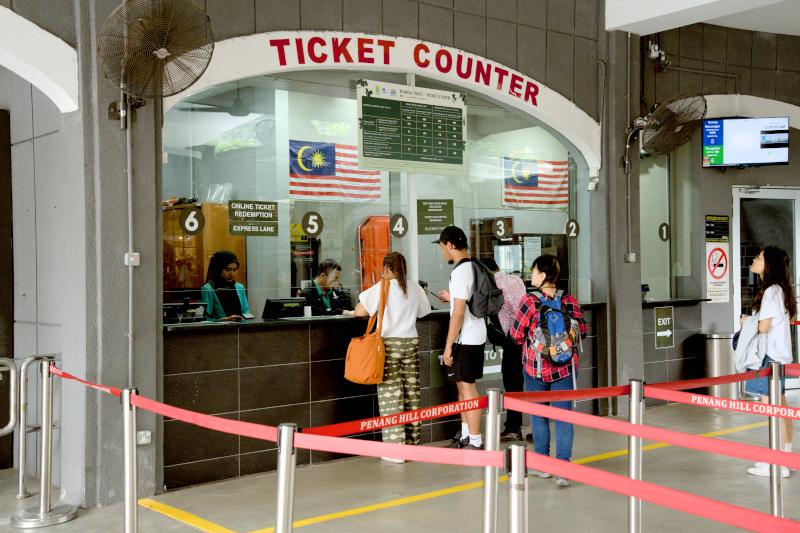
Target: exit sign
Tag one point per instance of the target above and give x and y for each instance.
(665, 327)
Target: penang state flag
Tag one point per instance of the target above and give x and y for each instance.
(535, 183)
(328, 171)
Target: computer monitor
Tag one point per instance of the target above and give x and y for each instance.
(283, 307)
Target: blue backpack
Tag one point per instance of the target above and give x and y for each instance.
(556, 333)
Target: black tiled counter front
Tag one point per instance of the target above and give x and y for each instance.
(276, 371)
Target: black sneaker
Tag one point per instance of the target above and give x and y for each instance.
(469, 446)
(507, 435)
(459, 443)
(529, 438)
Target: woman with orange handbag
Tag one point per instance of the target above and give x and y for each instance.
(399, 390)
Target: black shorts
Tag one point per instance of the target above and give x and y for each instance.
(467, 363)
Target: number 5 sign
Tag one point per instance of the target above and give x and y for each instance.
(192, 221)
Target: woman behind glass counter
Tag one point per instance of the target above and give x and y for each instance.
(225, 299)
(325, 296)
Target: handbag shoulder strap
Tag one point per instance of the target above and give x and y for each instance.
(381, 308)
(385, 286)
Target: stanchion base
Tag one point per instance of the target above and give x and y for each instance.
(23, 495)
(32, 518)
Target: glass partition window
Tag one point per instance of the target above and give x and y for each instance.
(287, 149)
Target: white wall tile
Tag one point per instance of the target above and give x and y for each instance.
(46, 116)
(15, 95)
(49, 340)
(24, 340)
(24, 231)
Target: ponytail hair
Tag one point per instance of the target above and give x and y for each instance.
(395, 262)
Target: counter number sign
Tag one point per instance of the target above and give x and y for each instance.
(398, 225)
(572, 229)
(500, 228)
(192, 221)
(665, 327)
(664, 232)
(312, 224)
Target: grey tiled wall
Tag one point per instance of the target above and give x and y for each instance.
(686, 360)
(768, 64)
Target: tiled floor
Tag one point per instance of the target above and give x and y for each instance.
(324, 491)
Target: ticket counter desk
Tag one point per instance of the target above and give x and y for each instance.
(292, 370)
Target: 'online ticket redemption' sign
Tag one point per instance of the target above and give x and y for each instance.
(410, 128)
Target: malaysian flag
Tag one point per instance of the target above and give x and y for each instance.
(535, 183)
(328, 171)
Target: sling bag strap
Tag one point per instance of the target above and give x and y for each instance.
(385, 285)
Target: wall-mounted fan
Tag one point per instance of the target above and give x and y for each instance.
(664, 130)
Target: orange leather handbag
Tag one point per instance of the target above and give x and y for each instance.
(366, 354)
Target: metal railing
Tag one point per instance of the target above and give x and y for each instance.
(45, 514)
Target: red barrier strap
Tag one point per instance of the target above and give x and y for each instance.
(102, 388)
(792, 370)
(741, 406)
(707, 382)
(695, 442)
(234, 427)
(379, 422)
(422, 454)
(725, 513)
(581, 394)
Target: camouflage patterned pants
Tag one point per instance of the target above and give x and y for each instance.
(400, 388)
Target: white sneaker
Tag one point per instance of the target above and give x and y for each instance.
(395, 460)
(539, 473)
(762, 469)
(563, 483)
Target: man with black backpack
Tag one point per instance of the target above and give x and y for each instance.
(549, 324)
(466, 335)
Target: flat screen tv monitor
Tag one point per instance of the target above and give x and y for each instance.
(741, 142)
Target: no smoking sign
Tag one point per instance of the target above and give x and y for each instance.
(717, 263)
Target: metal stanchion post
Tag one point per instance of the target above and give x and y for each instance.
(775, 495)
(635, 411)
(129, 438)
(22, 453)
(45, 514)
(287, 459)
(517, 490)
(490, 473)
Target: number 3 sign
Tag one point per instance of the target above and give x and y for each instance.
(192, 221)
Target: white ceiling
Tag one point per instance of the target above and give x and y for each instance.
(783, 17)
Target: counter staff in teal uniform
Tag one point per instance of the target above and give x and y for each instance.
(223, 296)
(325, 295)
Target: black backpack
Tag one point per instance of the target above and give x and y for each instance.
(486, 301)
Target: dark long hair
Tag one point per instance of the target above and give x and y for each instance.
(776, 272)
(217, 264)
(549, 266)
(395, 262)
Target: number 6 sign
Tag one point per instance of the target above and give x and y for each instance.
(192, 221)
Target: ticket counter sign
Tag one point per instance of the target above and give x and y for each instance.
(411, 128)
(253, 218)
(433, 216)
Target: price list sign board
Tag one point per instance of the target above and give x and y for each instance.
(717, 259)
(251, 217)
(410, 128)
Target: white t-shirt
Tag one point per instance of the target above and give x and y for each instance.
(779, 338)
(462, 283)
(400, 317)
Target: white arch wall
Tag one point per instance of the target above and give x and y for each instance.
(742, 105)
(245, 57)
(40, 58)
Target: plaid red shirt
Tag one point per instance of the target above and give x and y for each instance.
(525, 322)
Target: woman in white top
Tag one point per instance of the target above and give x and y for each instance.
(773, 306)
(399, 390)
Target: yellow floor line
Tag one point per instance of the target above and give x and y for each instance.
(183, 516)
(204, 525)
